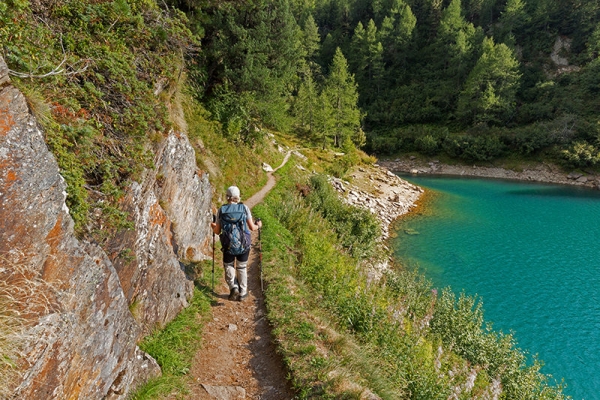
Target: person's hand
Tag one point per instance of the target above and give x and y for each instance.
(258, 222)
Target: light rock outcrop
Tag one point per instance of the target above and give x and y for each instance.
(381, 192)
(536, 173)
(171, 209)
(84, 344)
(385, 195)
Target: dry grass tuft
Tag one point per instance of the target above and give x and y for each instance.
(23, 297)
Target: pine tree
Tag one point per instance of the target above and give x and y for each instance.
(306, 103)
(375, 67)
(310, 47)
(454, 43)
(491, 88)
(396, 32)
(341, 93)
(310, 39)
(358, 46)
(324, 121)
(367, 60)
(513, 18)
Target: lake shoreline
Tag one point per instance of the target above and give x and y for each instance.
(544, 172)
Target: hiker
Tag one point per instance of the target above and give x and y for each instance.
(233, 225)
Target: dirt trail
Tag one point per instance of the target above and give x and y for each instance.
(238, 359)
(260, 195)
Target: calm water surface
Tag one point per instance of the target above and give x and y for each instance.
(531, 251)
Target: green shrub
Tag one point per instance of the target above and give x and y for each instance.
(384, 144)
(357, 229)
(427, 145)
(473, 148)
(581, 154)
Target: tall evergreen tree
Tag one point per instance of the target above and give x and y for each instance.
(341, 93)
(454, 44)
(358, 47)
(325, 124)
(367, 60)
(491, 88)
(396, 32)
(306, 104)
(512, 19)
(251, 55)
(310, 46)
(310, 39)
(375, 67)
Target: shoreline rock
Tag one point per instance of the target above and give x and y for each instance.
(544, 172)
(380, 191)
(385, 195)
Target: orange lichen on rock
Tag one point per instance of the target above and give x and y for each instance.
(157, 215)
(6, 121)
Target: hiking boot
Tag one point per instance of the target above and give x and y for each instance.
(234, 294)
(242, 297)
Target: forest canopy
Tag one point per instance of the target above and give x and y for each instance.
(473, 79)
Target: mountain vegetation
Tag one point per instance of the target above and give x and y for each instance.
(474, 80)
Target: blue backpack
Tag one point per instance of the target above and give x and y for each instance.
(234, 237)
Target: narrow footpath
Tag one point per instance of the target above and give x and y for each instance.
(238, 359)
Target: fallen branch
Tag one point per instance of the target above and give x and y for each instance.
(59, 70)
(56, 71)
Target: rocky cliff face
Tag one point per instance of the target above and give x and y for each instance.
(83, 343)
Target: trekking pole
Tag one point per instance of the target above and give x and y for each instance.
(262, 289)
(213, 260)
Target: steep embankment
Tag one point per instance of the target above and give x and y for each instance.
(99, 302)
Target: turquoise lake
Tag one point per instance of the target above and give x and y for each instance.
(531, 252)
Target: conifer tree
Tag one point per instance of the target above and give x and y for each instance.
(310, 39)
(490, 91)
(306, 104)
(454, 44)
(324, 131)
(358, 46)
(367, 60)
(396, 32)
(513, 18)
(375, 67)
(341, 93)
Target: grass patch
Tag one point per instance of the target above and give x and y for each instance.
(175, 346)
(22, 298)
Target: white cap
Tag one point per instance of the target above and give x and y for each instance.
(233, 193)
